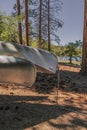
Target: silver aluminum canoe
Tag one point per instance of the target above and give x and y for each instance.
(42, 59)
(16, 70)
(18, 63)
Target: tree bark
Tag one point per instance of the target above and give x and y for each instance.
(26, 23)
(19, 22)
(49, 25)
(40, 24)
(84, 51)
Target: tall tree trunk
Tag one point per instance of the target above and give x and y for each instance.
(19, 22)
(26, 23)
(48, 25)
(84, 55)
(40, 24)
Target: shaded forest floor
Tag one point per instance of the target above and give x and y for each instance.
(44, 106)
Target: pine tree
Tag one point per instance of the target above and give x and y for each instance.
(26, 23)
(84, 56)
(19, 22)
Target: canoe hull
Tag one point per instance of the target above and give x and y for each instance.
(22, 72)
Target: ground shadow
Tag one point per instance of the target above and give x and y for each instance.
(73, 125)
(45, 83)
(80, 122)
(70, 81)
(73, 82)
(18, 113)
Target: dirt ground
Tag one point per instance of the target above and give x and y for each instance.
(46, 106)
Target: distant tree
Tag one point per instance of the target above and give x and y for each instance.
(1, 23)
(72, 50)
(44, 20)
(44, 15)
(9, 29)
(79, 43)
(24, 19)
(52, 22)
(55, 22)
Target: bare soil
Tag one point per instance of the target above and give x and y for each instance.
(46, 106)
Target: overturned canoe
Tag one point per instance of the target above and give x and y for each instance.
(43, 60)
(18, 63)
(17, 70)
